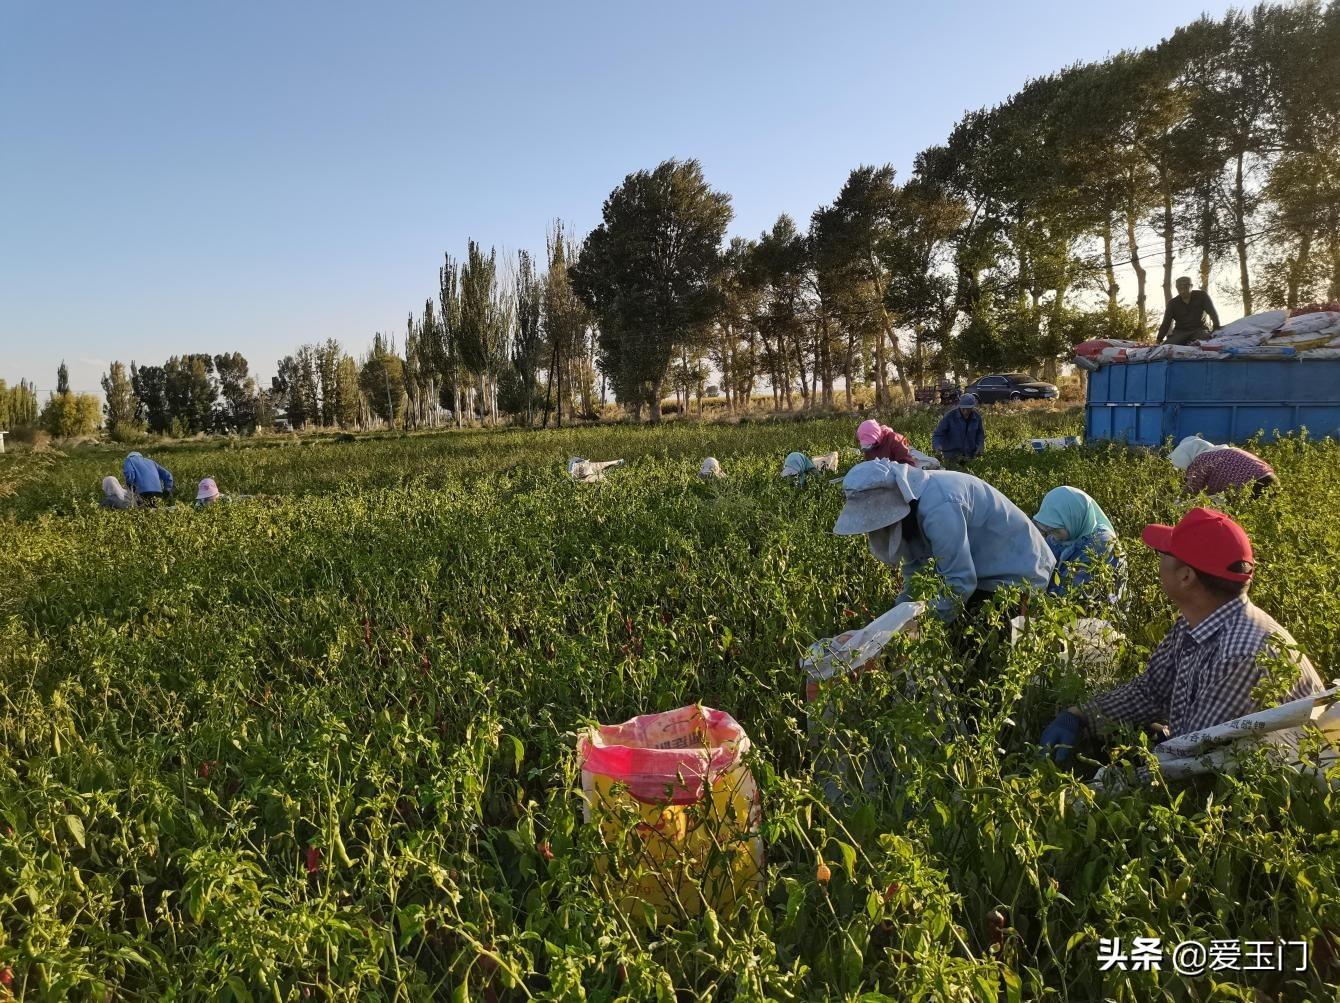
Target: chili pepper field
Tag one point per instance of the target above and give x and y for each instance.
(320, 744)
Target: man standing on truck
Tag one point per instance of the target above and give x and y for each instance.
(1184, 318)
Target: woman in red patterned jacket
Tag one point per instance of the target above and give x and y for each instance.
(1215, 469)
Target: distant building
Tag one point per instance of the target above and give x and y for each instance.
(712, 390)
(283, 425)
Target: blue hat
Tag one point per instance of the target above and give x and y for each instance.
(968, 401)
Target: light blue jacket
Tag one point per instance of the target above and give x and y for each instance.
(979, 539)
(144, 476)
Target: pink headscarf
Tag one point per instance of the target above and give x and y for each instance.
(868, 433)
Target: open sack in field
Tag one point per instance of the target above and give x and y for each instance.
(851, 653)
(588, 471)
(1055, 442)
(925, 461)
(799, 466)
(677, 808)
(1216, 749)
(1089, 644)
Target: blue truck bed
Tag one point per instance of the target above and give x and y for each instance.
(1146, 403)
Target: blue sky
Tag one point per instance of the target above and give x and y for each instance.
(214, 177)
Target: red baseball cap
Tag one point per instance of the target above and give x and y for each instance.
(1207, 540)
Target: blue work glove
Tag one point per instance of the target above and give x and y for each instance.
(1063, 731)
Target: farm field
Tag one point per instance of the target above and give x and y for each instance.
(320, 744)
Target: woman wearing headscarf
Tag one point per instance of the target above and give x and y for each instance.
(879, 442)
(207, 493)
(114, 495)
(1082, 540)
(979, 539)
(1215, 469)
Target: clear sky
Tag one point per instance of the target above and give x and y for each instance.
(186, 177)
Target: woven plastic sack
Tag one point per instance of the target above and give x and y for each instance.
(925, 461)
(1059, 442)
(1218, 748)
(828, 462)
(590, 471)
(852, 653)
(677, 808)
(1089, 644)
(1256, 323)
(711, 468)
(1310, 323)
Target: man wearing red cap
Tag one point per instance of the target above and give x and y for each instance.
(1204, 670)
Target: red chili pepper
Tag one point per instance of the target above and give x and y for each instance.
(312, 859)
(6, 976)
(545, 851)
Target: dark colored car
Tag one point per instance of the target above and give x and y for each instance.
(1010, 387)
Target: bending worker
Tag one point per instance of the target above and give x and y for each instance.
(146, 478)
(1082, 540)
(979, 539)
(879, 442)
(960, 434)
(1204, 670)
(1215, 469)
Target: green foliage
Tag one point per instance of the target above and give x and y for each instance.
(68, 416)
(121, 407)
(647, 273)
(308, 745)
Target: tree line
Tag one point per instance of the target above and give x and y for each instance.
(1001, 248)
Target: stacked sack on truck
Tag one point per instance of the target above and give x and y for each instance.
(1310, 332)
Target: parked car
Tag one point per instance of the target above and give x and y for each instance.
(1011, 387)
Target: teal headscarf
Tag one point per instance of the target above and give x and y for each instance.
(1072, 510)
(797, 465)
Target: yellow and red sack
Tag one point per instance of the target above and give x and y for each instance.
(677, 808)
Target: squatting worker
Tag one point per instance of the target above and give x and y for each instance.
(114, 495)
(879, 442)
(1184, 317)
(1083, 541)
(1215, 469)
(959, 435)
(146, 478)
(979, 539)
(1204, 670)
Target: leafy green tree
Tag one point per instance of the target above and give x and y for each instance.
(347, 396)
(778, 267)
(382, 381)
(191, 392)
(150, 386)
(733, 340)
(446, 347)
(18, 406)
(62, 378)
(528, 343)
(647, 274)
(121, 407)
(483, 325)
(566, 325)
(238, 390)
(69, 415)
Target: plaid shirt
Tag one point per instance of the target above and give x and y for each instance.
(1217, 470)
(1204, 675)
